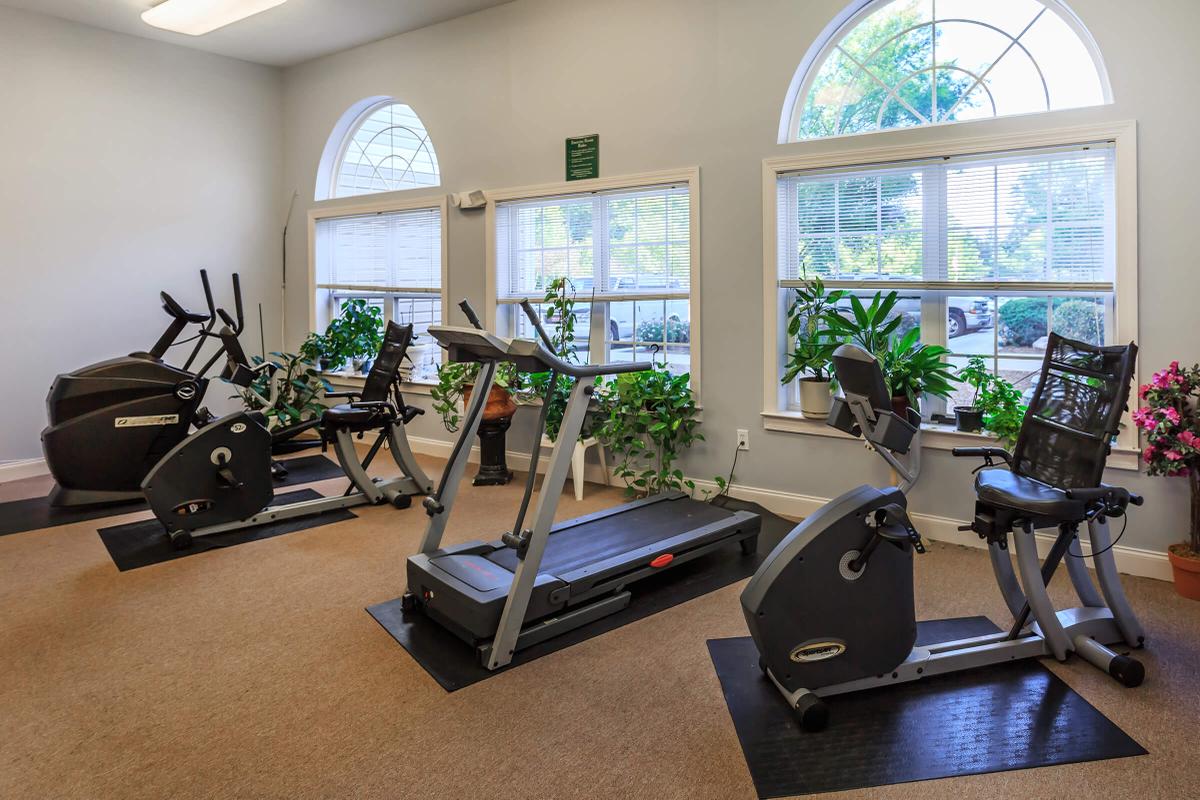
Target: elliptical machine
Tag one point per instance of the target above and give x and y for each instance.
(831, 608)
(110, 422)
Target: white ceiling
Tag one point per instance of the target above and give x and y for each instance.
(296, 31)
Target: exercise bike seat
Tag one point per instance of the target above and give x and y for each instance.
(356, 417)
(1004, 489)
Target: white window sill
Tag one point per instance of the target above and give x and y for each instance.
(350, 380)
(933, 436)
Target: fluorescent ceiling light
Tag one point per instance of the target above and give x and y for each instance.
(198, 17)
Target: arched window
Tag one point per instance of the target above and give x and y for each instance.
(379, 145)
(887, 64)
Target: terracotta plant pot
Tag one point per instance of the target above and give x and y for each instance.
(1186, 571)
(500, 404)
(815, 398)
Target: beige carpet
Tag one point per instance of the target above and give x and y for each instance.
(255, 672)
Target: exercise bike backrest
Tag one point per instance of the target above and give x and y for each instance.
(864, 408)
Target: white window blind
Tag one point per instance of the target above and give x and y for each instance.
(396, 251)
(627, 244)
(1005, 223)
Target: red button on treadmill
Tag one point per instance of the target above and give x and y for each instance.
(663, 560)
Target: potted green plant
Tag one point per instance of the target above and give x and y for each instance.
(356, 335)
(1002, 409)
(648, 419)
(978, 376)
(323, 352)
(1171, 421)
(812, 346)
(912, 369)
(288, 395)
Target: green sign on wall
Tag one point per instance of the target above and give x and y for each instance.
(583, 157)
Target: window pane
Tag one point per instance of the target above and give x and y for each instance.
(553, 327)
(902, 65)
(390, 150)
(621, 322)
(1081, 318)
(970, 325)
(421, 312)
(1023, 324)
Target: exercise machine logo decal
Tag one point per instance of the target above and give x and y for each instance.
(816, 651)
(146, 422)
(192, 507)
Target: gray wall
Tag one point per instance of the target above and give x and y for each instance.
(129, 164)
(125, 166)
(677, 83)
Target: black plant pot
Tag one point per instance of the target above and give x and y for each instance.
(968, 419)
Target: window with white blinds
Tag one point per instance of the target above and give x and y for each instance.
(988, 253)
(628, 244)
(391, 259)
(628, 255)
(1006, 224)
(399, 251)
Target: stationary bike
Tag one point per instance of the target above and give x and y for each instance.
(219, 478)
(831, 608)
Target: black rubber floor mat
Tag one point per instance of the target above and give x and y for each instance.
(140, 544)
(35, 513)
(453, 664)
(993, 719)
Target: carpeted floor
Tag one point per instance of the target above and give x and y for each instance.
(255, 672)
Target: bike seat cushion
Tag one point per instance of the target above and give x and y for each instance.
(1005, 489)
(355, 419)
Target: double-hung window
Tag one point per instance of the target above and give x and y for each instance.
(629, 255)
(393, 258)
(988, 251)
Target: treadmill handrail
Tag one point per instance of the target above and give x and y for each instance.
(498, 351)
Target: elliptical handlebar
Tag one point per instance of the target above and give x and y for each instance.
(237, 304)
(208, 295)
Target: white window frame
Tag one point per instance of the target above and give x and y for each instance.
(689, 176)
(381, 203)
(776, 413)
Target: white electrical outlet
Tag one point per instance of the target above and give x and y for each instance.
(743, 437)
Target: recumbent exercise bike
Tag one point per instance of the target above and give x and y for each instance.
(831, 608)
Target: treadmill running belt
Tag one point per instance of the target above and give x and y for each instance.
(599, 539)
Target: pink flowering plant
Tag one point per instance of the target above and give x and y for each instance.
(1170, 418)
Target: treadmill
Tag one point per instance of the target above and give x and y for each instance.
(536, 582)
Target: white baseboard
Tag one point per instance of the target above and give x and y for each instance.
(517, 459)
(1130, 560)
(27, 468)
